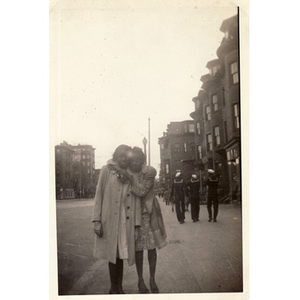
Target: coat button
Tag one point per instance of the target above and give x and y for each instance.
(128, 195)
(128, 207)
(127, 218)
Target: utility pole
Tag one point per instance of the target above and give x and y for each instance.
(149, 162)
(145, 143)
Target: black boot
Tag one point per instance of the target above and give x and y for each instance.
(113, 275)
(120, 275)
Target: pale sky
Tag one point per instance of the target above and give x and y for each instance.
(114, 65)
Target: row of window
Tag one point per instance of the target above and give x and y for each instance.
(236, 116)
(189, 128)
(67, 174)
(83, 150)
(211, 139)
(234, 80)
(177, 147)
(234, 72)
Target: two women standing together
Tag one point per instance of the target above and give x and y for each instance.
(127, 217)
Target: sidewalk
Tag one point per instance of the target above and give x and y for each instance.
(199, 257)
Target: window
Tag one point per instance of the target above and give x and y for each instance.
(214, 70)
(234, 72)
(236, 114)
(185, 147)
(199, 152)
(198, 128)
(230, 155)
(167, 169)
(191, 128)
(228, 36)
(197, 104)
(209, 142)
(177, 148)
(207, 113)
(217, 135)
(83, 156)
(186, 129)
(215, 102)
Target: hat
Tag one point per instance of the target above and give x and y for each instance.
(177, 174)
(211, 171)
(194, 176)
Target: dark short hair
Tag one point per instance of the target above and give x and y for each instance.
(119, 149)
(139, 152)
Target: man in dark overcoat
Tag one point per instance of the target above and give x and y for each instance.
(212, 195)
(178, 192)
(193, 191)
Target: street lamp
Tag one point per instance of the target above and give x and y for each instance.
(145, 143)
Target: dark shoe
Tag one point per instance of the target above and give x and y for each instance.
(215, 220)
(114, 290)
(142, 287)
(120, 290)
(209, 220)
(153, 286)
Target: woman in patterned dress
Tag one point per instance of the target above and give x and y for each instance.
(151, 233)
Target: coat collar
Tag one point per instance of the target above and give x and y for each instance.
(112, 165)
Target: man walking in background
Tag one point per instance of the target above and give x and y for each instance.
(212, 195)
(193, 191)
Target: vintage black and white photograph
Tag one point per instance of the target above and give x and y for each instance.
(148, 193)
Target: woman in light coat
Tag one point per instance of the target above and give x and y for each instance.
(115, 216)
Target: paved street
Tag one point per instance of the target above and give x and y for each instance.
(200, 257)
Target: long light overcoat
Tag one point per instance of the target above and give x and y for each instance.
(110, 193)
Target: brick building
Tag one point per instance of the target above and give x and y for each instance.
(74, 171)
(84, 170)
(217, 114)
(177, 151)
(64, 171)
(212, 139)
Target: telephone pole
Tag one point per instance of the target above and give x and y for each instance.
(149, 161)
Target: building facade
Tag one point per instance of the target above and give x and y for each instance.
(217, 115)
(75, 171)
(212, 139)
(177, 151)
(64, 171)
